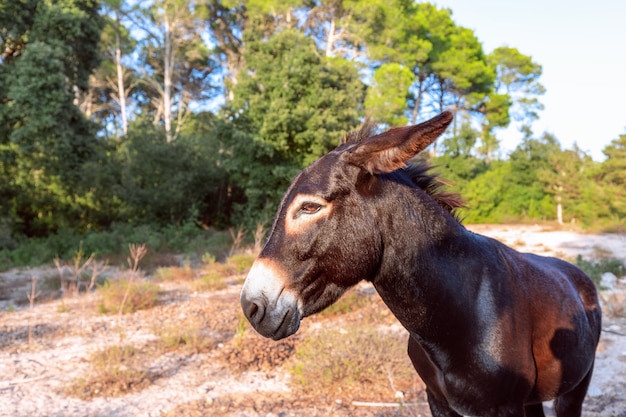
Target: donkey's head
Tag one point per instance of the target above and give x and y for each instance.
(325, 236)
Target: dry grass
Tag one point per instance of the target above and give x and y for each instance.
(115, 370)
(240, 263)
(210, 281)
(350, 301)
(175, 274)
(127, 295)
(214, 275)
(358, 363)
(253, 352)
(191, 337)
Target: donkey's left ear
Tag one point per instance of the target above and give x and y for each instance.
(392, 149)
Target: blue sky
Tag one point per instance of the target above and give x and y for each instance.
(582, 48)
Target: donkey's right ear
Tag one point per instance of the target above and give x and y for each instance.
(392, 149)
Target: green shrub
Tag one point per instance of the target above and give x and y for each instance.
(595, 268)
(187, 238)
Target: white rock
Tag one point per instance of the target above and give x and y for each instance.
(608, 280)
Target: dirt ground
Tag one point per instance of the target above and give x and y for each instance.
(235, 372)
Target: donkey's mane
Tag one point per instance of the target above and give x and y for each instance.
(419, 171)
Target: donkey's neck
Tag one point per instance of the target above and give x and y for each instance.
(423, 274)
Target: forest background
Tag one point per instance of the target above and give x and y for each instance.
(156, 121)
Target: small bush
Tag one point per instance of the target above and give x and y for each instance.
(214, 274)
(185, 238)
(595, 268)
(210, 281)
(115, 370)
(219, 243)
(361, 360)
(241, 263)
(189, 337)
(350, 301)
(128, 295)
(175, 274)
(248, 351)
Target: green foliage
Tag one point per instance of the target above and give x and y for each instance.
(169, 183)
(386, 97)
(595, 268)
(611, 175)
(187, 238)
(299, 103)
(75, 166)
(486, 194)
(290, 107)
(458, 164)
(518, 75)
(45, 139)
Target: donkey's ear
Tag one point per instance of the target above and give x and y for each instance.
(393, 148)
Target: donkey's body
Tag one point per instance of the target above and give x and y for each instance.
(493, 332)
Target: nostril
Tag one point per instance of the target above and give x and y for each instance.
(254, 310)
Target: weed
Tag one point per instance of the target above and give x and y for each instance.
(241, 263)
(348, 302)
(240, 331)
(210, 281)
(84, 272)
(191, 337)
(237, 237)
(259, 237)
(358, 360)
(137, 252)
(63, 308)
(175, 274)
(208, 258)
(519, 243)
(115, 370)
(126, 295)
(32, 296)
(249, 351)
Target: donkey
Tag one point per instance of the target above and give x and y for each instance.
(492, 332)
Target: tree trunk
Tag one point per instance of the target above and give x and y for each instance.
(559, 207)
(167, 80)
(418, 102)
(121, 91)
(330, 39)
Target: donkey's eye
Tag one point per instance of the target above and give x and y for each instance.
(310, 208)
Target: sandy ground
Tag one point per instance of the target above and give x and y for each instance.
(34, 378)
(565, 244)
